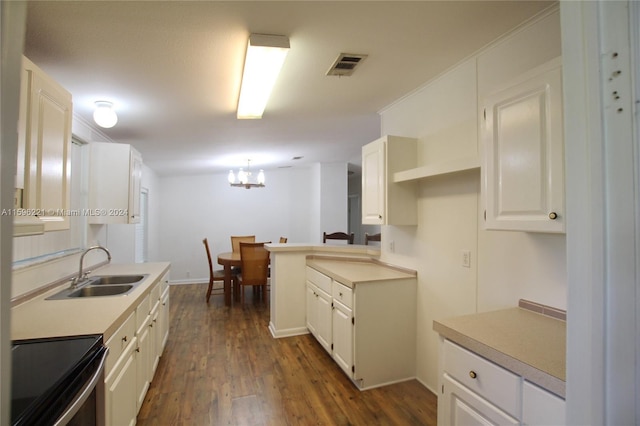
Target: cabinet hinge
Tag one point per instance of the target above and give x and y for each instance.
(332, 346)
(485, 215)
(443, 389)
(353, 320)
(353, 368)
(484, 113)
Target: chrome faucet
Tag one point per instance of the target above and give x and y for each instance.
(76, 280)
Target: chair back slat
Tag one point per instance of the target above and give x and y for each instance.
(372, 237)
(338, 236)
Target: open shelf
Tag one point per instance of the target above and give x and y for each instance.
(453, 166)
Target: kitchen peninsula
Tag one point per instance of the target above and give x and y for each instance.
(360, 310)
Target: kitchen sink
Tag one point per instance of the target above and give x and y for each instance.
(115, 279)
(100, 286)
(93, 291)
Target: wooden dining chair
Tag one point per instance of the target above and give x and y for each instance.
(254, 266)
(338, 236)
(236, 240)
(214, 275)
(372, 237)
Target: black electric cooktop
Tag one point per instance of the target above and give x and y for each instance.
(46, 375)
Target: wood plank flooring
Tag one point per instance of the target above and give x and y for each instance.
(222, 367)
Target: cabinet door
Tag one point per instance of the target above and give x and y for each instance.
(319, 315)
(163, 321)
(540, 407)
(121, 392)
(373, 183)
(154, 355)
(47, 166)
(323, 327)
(312, 310)
(143, 355)
(524, 154)
(343, 337)
(460, 406)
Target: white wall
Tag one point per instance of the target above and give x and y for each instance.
(333, 199)
(195, 207)
(505, 266)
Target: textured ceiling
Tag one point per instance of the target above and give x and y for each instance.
(173, 68)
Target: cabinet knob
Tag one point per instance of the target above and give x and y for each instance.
(553, 215)
(124, 339)
(379, 216)
(472, 374)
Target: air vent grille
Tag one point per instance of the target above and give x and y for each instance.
(346, 64)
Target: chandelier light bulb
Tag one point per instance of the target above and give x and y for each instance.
(245, 179)
(104, 115)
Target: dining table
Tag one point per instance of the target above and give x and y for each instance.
(228, 260)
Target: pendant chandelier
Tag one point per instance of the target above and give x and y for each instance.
(245, 178)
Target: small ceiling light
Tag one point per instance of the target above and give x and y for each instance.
(104, 115)
(265, 56)
(244, 178)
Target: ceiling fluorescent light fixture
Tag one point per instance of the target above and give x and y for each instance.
(265, 56)
(104, 115)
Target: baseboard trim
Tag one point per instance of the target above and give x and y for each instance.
(289, 332)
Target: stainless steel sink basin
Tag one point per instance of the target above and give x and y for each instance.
(100, 286)
(116, 279)
(93, 291)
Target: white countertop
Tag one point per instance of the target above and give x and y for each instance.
(528, 343)
(38, 317)
(352, 272)
(357, 249)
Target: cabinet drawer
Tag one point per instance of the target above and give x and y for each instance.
(117, 343)
(494, 383)
(343, 293)
(319, 279)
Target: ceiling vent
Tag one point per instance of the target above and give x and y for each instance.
(346, 64)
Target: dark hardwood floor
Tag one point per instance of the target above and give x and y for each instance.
(222, 367)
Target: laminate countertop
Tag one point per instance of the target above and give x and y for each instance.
(528, 343)
(38, 317)
(351, 272)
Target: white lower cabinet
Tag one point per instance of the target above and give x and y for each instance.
(319, 315)
(163, 316)
(475, 391)
(143, 353)
(460, 406)
(369, 330)
(342, 337)
(120, 375)
(540, 407)
(134, 354)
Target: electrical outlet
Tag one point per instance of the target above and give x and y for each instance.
(392, 246)
(466, 258)
(188, 274)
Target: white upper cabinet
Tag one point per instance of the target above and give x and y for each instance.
(115, 175)
(44, 144)
(523, 170)
(385, 202)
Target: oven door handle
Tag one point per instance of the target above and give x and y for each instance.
(84, 393)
